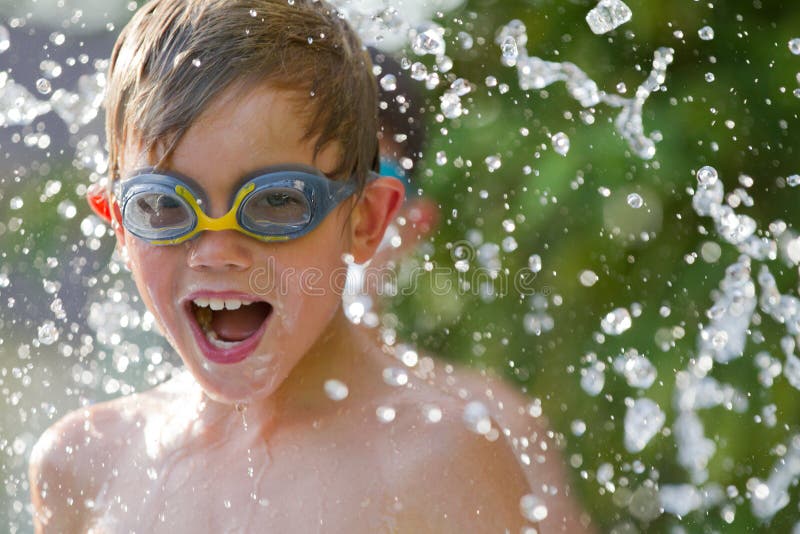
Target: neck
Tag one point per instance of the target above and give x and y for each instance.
(339, 353)
(343, 352)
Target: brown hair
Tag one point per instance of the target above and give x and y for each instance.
(175, 56)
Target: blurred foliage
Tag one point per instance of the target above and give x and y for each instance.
(561, 215)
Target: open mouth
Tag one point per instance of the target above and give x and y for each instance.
(227, 330)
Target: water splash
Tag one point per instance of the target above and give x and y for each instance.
(769, 497)
(18, 107)
(643, 420)
(608, 15)
(536, 73)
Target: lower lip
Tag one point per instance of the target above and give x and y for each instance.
(227, 356)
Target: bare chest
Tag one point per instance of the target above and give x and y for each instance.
(321, 485)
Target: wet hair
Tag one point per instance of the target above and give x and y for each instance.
(175, 56)
(400, 110)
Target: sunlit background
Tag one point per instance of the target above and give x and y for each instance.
(659, 332)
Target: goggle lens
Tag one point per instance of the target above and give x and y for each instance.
(276, 210)
(158, 214)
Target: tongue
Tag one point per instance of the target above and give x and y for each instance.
(238, 325)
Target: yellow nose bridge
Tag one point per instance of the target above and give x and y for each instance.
(226, 222)
(204, 222)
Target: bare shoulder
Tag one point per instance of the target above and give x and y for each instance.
(536, 446)
(449, 475)
(72, 459)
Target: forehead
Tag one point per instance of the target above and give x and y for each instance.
(243, 129)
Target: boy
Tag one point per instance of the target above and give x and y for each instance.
(241, 139)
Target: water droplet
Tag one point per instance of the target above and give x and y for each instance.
(643, 420)
(444, 63)
(441, 158)
(461, 87)
(432, 413)
(451, 105)
(593, 379)
(15, 203)
(43, 86)
(493, 163)
(5, 39)
(707, 176)
(535, 263)
(67, 209)
(794, 46)
(476, 418)
(466, 40)
(386, 414)
(47, 333)
(517, 32)
(533, 508)
(793, 180)
(395, 376)
(616, 322)
(336, 389)
(509, 48)
(410, 358)
(588, 278)
(607, 15)
(635, 200)
(638, 371)
(560, 143)
(430, 42)
(706, 33)
(253, 13)
(578, 427)
(709, 77)
(57, 38)
(389, 82)
(419, 71)
(50, 68)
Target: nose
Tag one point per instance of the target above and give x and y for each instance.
(225, 250)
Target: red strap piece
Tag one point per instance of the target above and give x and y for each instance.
(98, 201)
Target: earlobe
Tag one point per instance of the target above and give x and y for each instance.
(376, 208)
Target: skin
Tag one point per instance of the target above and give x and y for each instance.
(258, 446)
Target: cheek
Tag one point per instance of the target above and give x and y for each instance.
(311, 282)
(152, 269)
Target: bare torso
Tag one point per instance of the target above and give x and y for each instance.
(168, 460)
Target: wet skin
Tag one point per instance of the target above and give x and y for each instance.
(180, 458)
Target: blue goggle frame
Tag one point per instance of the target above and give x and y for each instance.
(298, 198)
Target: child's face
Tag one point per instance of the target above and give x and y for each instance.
(234, 137)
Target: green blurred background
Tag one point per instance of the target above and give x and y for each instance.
(571, 211)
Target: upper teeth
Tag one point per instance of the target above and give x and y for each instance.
(219, 304)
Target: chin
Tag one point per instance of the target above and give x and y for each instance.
(238, 384)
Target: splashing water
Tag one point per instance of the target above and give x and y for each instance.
(752, 289)
(608, 15)
(643, 420)
(536, 73)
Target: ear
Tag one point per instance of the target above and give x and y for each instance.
(376, 208)
(103, 207)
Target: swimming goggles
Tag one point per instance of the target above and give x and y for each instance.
(277, 203)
